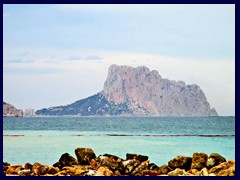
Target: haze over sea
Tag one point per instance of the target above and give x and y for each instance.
(45, 139)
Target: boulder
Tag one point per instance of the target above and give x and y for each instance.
(179, 172)
(153, 166)
(130, 165)
(204, 172)
(74, 171)
(194, 172)
(112, 163)
(94, 164)
(28, 166)
(39, 169)
(117, 173)
(24, 172)
(140, 168)
(224, 169)
(53, 170)
(199, 161)
(14, 169)
(138, 157)
(66, 160)
(103, 171)
(84, 155)
(5, 167)
(164, 169)
(181, 162)
(215, 159)
(148, 172)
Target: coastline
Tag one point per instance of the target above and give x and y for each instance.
(87, 163)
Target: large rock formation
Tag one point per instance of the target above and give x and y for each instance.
(139, 91)
(10, 111)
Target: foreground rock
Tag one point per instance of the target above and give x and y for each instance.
(10, 111)
(139, 91)
(134, 165)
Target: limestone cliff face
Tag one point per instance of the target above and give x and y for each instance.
(10, 111)
(139, 91)
(147, 93)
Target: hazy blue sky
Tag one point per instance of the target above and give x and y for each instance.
(57, 54)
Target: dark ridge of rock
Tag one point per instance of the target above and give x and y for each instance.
(91, 106)
(139, 92)
(10, 111)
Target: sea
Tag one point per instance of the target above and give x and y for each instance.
(45, 139)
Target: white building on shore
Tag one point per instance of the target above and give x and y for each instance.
(29, 112)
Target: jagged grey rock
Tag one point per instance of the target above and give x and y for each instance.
(139, 91)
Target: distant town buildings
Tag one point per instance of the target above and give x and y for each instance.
(29, 112)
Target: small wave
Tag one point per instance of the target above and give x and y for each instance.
(86, 134)
(160, 135)
(157, 135)
(13, 135)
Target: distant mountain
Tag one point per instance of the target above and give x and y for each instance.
(10, 111)
(139, 92)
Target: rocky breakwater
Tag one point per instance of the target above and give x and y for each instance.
(88, 164)
(10, 111)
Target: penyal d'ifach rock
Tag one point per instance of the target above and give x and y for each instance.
(139, 92)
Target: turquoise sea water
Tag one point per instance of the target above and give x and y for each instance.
(45, 139)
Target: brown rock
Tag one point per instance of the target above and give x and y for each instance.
(181, 162)
(37, 169)
(94, 164)
(153, 166)
(215, 159)
(53, 170)
(5, 167)
(164, 169)
(130, 165)
(24, 172)
(148, 173)
(112, 163)
(14, 169)
(224, 169)
(138, 157)
(65, 160)
(69, 169)
(199, 160)
(103, 171)
(84, 155)
(28, 166)
(117, 173)
(116, 158)
(141, 167)
(194, 172)
(204, 172)
(227, 172)
(179, 172)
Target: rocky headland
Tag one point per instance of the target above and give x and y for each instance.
(139, 92)
(10, 111)
(87, 163)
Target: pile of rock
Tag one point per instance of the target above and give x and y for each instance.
(87, 164)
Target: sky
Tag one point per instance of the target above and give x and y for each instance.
(56, 54)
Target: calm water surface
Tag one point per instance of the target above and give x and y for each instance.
(45, 139)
